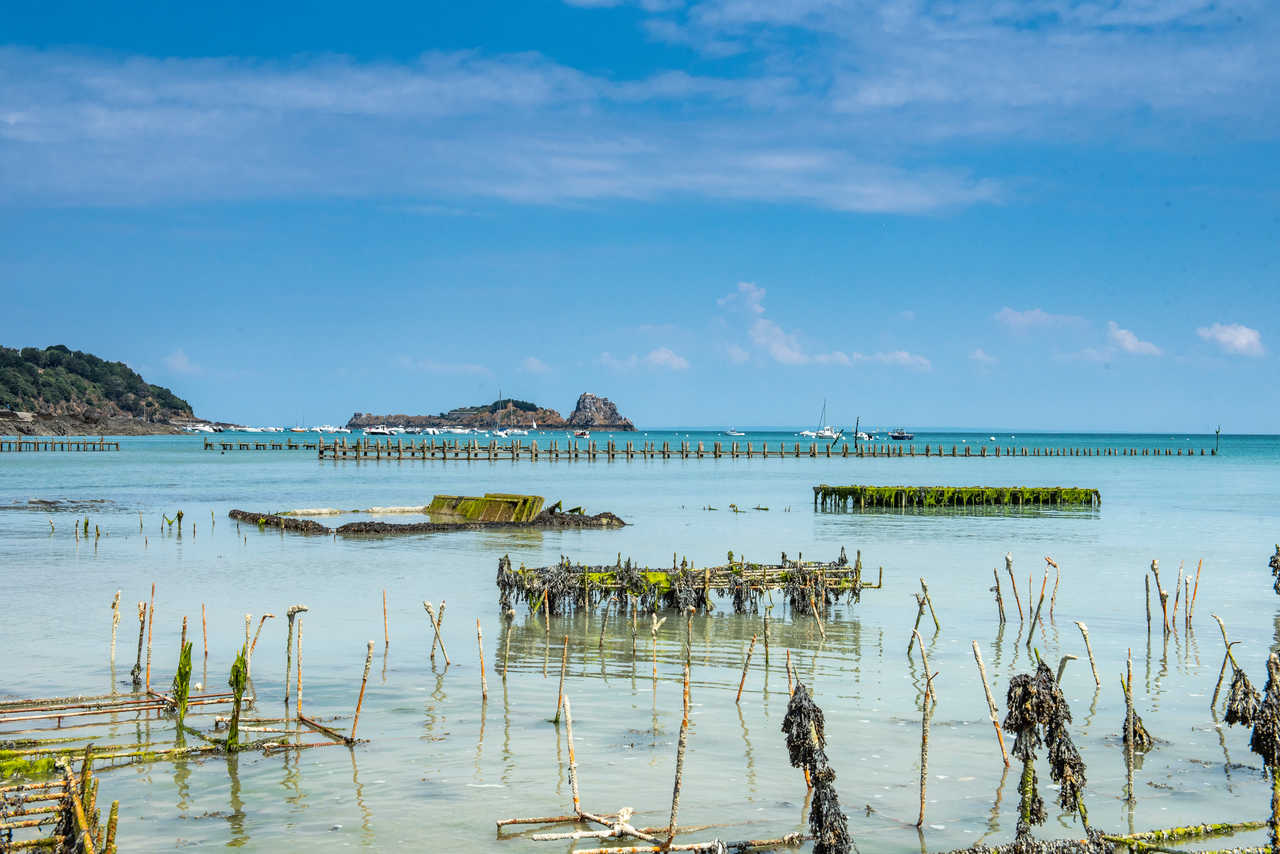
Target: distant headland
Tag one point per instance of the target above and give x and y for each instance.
(590, 412)
(58, 391)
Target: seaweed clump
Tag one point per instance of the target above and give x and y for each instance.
(1242, 702)
(181, 688)
(1265, 740)
(239, 679)
(1142, 740)
(1038, 714)
(805, 732)
(1275, 568)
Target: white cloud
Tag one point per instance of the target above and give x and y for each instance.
(787, 348)
(898, 358)
(178, 363)
(660, 358)
(982, 357)
(1130, 343)
(431, 366)
(534, 365)
(1234, 338)
(84, 128)
(1032, 318)
(749, 297)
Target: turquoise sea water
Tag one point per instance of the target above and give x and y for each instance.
(441, 765)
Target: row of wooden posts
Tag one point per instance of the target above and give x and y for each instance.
(611, 449)
(26, 445)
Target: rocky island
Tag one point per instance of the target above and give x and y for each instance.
(591, 412)
(62, 392)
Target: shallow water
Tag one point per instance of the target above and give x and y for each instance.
(441, 765)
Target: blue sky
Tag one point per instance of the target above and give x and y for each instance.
(1043, 214)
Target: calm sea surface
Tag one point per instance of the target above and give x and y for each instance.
(440, 766)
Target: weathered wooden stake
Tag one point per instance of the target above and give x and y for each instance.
(915, 630)
(435, 624)
(937, 627)
(790, 688)
(1128, 727)
(1146, 585)
(204, 633)
(1162, 593)
(999, 598)
(560, 697)
(364, 680)
(248, 659)
(680, 747)
(484, 680)
(924, 743)
(924, 660)
(745, 665)
(386, 631)
(1195, 591)
(991, 703)
(1057, 577)
(1088, 648)
(151, 619)
(292, 614)
(1008, 565)
(115, 623)
(817, 618)
(298, 698)
(142, 630)
(573, 760)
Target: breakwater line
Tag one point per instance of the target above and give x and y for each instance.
(473, 450)
(861, 497)
(22, 446)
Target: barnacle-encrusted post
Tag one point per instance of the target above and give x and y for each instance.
(1266, 741)
(435, 624)
(1039, 714)
(681, 742)
(560, 698)
(1084, 632)
(996, 590)
(115, 624)
(1008, 565)
(136, 673)
(806, 743)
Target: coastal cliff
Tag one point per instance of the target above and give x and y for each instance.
(59, 392)
(591, 411)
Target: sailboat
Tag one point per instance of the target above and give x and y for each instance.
(824, 431)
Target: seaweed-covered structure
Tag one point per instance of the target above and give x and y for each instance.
(1038, 714)
(1275, 568)
(1265, 740)
(566, 586)
(863, 497)
(806, 748)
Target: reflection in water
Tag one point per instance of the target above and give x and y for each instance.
(182, 775)
(366, 815)
(993, 820)
(235, 818)
(748, 755)
(292, 781)
(508, 765)
(484, 716)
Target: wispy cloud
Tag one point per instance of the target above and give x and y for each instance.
(1234, 338)
(1128, 342)
(788, 348)
(1032, 318)
(534, 365)
(982, 357)
(431, 366)
(660, 358)
(179, 363)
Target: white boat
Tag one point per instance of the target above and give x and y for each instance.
(824, 431)
(808, 434)
(459, 431)
(198, 428)
(901, 435)
(582, 434)
(379, 430)
(501, 434)
(865, 437)
(732, 432)
(297, 429)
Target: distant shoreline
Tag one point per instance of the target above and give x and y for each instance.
(37, 424)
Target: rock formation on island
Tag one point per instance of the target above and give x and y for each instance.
(600, 412)
(593, 412)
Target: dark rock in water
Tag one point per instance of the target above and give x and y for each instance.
(1275, 568)
(598, 412)
(549, 518)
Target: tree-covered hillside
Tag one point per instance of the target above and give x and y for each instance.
(62, 381)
